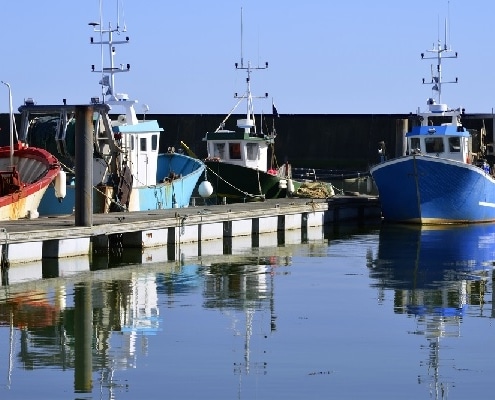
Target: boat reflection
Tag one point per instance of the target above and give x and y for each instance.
(436, 272)
(244, 293)
(71, 323)
(100, 322)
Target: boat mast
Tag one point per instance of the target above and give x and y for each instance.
(110, 96)
(242, 58)
(439, 51)
(11, 126)
(248, 123)
(111, 70)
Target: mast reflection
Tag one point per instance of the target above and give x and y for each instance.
(243, 291)
(98, 324)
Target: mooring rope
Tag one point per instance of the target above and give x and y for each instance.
(71, 170)
(231, 185)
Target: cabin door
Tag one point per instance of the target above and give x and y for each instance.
(147, 159)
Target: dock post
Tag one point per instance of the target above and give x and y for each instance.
(84, 166)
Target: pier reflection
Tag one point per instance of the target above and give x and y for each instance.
(436, 272)
(96, 316)
(68, 323)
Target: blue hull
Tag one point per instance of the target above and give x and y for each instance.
(431, 190)
(175, 194)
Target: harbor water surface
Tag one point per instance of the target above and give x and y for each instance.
(345, 312)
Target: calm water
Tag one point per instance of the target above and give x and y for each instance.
(375, 312)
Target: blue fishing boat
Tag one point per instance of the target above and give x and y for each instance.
(130, 173)
(439, 179)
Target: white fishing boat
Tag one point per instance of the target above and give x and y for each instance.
(130, 173)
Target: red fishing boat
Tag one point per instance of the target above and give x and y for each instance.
(25, 174)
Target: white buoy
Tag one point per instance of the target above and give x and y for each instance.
(60, 185)
(290, 185)
(205, 189)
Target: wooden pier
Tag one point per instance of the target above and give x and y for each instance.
(33, 240)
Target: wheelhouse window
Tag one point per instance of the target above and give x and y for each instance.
(415, 145)
(154, 142)
(219, 150)
(235, 151)
(455, 144)
(252, 151)
(434, 145)
(142, 144)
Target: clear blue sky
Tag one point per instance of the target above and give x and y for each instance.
(325, 57)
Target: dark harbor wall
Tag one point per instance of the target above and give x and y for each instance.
(305, 140)
(335, 141)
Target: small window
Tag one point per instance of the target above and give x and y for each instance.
(434, 145)
(235, 151)
(455, 144)
(142, 144)
(252, 151)
(219, 150)
(154, 142)
(415, 145)
(132, 142)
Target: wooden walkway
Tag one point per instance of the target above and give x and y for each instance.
(55, 237)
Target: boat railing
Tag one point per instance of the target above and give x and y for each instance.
(321, 174)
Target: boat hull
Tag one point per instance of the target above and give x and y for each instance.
(239, 183)
(176, 193)
(36, 169)
(431, 190)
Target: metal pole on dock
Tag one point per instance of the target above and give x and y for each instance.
(84, 167)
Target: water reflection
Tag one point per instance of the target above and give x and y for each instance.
(98, 319)
(239, 290)
(64, 324)
(435, 273)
